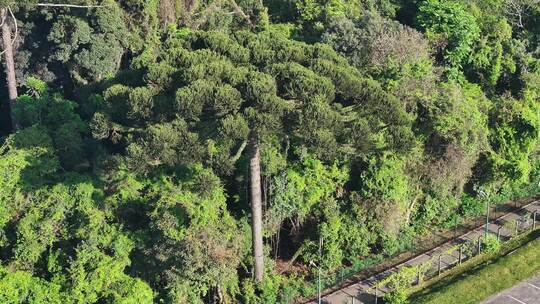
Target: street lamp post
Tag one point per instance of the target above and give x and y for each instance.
(319, 299)
(318, 265)
(483, 195)
(319, 285)
(487, 219)
(320, 259)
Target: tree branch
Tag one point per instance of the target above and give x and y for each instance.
(216, 5)
(66, 5)
(15, 24)
(16, 27)
(238, 154)
(238, 10)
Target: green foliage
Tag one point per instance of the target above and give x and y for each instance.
(317, 12)
(97, 276)
(299, 189)
(458, 130)
(50, 222)
(169, 143)
(355, 240)
(15, 4)
(400, 283)
(388, 191)
(471, 207)
(488, 61)
(21, 287)
(68, 32)
(57, 114)
(514, 136)
(28, 159)
(275, 289)
(188, 233)
(77, 46)
(462, 120)
(133, 187)
(449, 25)
(383, 47)
(221, 101)
(490, 244)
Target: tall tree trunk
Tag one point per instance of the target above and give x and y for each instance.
(256, 207)
(10, 63)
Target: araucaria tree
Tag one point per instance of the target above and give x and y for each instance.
(206, 96)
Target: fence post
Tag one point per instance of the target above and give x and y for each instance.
(352, 299)
(376, 294)
(479, 245)
(440, 257)
(418, 276)
(499, 233)
(517, 227)
(460, 254)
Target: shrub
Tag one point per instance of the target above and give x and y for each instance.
(490, 244)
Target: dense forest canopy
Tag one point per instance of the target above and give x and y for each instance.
(176, 151)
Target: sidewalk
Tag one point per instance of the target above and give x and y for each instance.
(363, 292)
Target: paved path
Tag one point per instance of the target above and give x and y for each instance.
(363, 292)
(527, 292)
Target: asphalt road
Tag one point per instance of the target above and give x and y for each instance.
(527, 292)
